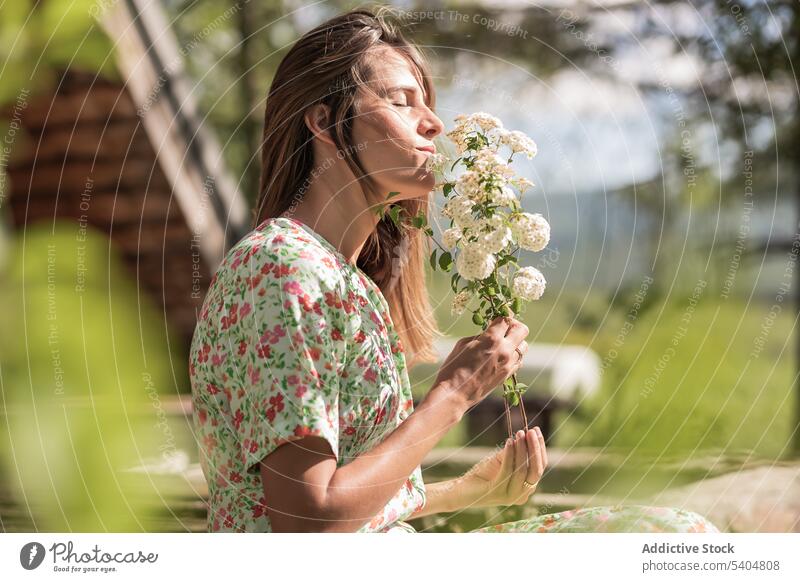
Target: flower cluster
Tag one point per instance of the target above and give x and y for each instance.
(487, 219)
(529, 283)
(487, 224)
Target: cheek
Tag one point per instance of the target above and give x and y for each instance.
(390, 155)
(387, 134)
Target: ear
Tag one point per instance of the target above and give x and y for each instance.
(317, 118)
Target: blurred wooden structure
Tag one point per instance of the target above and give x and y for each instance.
(131, 160)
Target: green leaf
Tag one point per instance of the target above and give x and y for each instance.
(447, 188)
(429, 231)
(454, 282)
(516, 305)
(445, 261)
(477, 319)
(506, 259)
(394, 214)
(433, 260)
(392, 194)
(419, 220)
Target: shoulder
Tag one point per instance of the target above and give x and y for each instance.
(277, 255)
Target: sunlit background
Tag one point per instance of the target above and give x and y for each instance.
(663, 353)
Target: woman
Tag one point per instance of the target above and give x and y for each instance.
(301, 394)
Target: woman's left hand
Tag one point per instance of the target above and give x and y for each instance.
(498, 478)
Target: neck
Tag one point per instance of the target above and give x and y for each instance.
(336, 208)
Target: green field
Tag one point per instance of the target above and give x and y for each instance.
(679, 380)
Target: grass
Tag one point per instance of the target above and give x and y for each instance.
(678, 379)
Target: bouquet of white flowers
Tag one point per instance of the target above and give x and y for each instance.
(487, 228)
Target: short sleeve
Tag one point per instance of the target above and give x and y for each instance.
(289, 355)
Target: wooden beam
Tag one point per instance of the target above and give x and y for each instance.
(152, 68)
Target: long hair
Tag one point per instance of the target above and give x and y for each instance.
(328, 65)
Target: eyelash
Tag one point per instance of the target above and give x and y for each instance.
(401, 104)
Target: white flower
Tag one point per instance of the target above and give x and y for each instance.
(459, 137)
(498, 236)
(436, 162)
(460, 302)
(531, 231)
(529, 284)
(460, 119)
(474, 263)
(522, 184)
(467, 124)
(459, 208)
(468, 184)
(490, 162)
(485, 121)
(519, 142)
(451, 236)
(503, 196)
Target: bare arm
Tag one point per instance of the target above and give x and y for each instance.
(441, 497)
(307, 492)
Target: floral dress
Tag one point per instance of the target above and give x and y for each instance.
(610, 519)
(292, 340)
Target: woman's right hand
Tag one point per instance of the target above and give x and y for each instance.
(480, 363)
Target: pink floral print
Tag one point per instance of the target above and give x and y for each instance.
(611, 519)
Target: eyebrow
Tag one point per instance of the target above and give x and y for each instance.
(413, 88)
(404, 88)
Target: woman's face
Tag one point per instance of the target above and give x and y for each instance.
(392, 126)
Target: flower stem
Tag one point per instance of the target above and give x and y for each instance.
(439, 245)
(508, 418)
(521, 404)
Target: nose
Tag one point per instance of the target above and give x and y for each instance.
(431, 125)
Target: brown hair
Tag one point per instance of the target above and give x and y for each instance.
(328, 65)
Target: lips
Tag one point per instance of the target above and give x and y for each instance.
(429, 149)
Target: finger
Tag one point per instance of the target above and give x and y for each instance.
(542, 448)
(516, 489)
(516, 332)
(520, 351)
(507, 465)
(497, 327)
(520, 361)
(536, 465)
